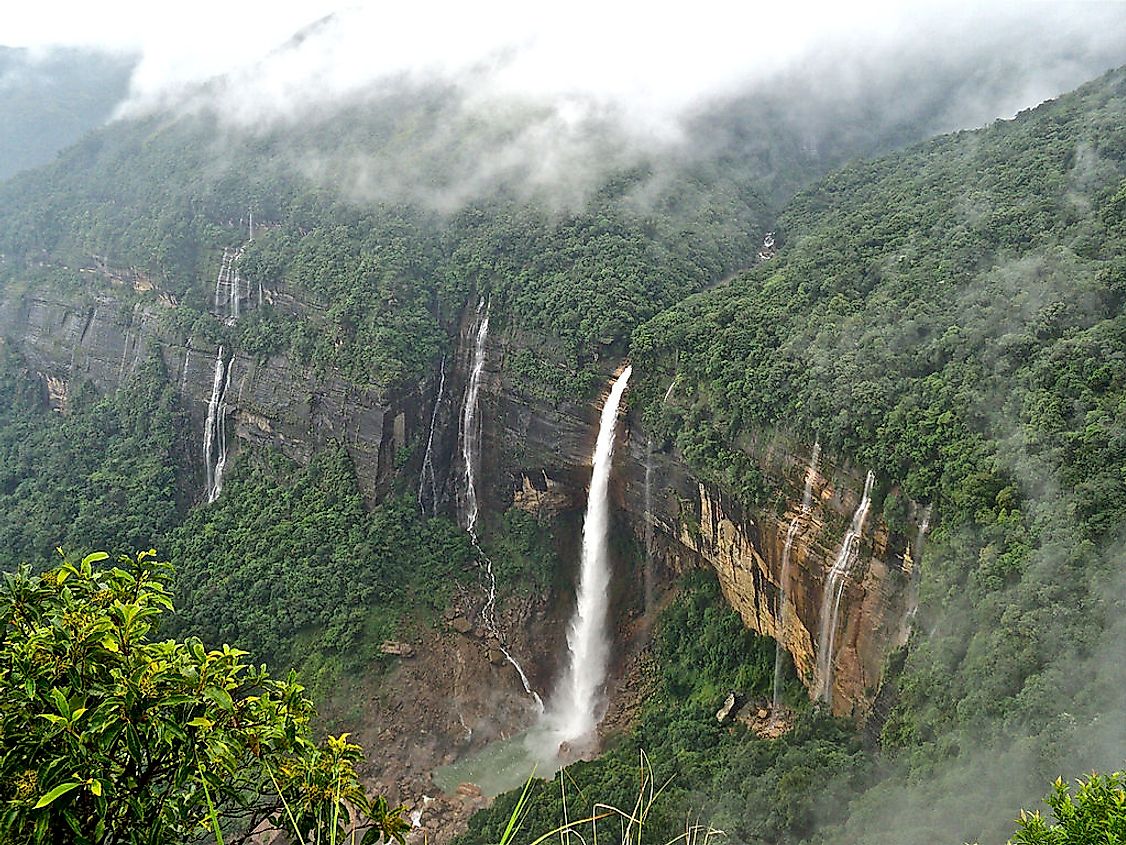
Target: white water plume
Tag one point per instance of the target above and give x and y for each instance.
(834, 590)
(209, 424)
(784, 576)
(574, 715)
(215, 427)
(470, 429)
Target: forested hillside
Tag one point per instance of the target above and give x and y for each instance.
(953, 318)
(950, 316)
(49, 99)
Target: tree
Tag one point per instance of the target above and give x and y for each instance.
(1095, 815)
(109, 736)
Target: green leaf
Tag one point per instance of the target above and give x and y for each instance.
(57, 792)
(221, 697)
(60, 701)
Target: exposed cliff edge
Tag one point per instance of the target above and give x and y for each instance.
(535, 457)
(102, 338)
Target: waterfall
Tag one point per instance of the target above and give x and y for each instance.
(648, 576)
(668, 393)
(574, 715)
(784, 577)
(470, 446)
(916, 558)
(222, 278)
(184, 373)
(215, 427)
(221, 435)
(426, 474)
(470, 432)
(236, 294)
(834, 589)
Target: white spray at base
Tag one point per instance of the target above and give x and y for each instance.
(574, 716)
(834, 589)
(470, 447)
(215, 427)
(784, 577)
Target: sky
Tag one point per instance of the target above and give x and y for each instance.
(649, 60)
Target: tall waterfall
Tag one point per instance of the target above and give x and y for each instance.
(574, 715)
(470, 448)
(784, 577)
(426, 474)
(834, 589)
(215, 428)
(648, 575)
(470, 428)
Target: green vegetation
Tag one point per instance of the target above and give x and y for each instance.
(1096, 813)
(49, 99)
(290, 563)
(109, 736)
(108, 474)
(953, 318)
(755, 790)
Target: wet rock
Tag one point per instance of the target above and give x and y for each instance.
(724, 713)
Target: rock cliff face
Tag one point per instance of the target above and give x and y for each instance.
(102, 339)
(536, 456)
(540, 459)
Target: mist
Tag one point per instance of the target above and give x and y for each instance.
(549, 101)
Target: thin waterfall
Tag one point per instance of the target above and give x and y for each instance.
(784, 577)
(834, 589)
(648, 574)
(574, 715)
(916, 556)
(426, 474)
(668, 393)
(223, 277)
(184, 373)
(209, 425)
(236, 294)
(470, 447)
(221, 435)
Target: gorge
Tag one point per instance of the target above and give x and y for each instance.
(785, 473)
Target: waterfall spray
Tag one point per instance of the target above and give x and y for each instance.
(426, 474)
(784, 576)
(834, 589)
(574, 716)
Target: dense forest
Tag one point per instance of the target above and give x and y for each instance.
(949, 315)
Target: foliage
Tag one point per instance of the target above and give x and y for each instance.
(290, 562)
(1096, 813)
(753, 789)
(106, 474)
(110, 736)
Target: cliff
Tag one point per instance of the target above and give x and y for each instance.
(102, 337)
(536, 456)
